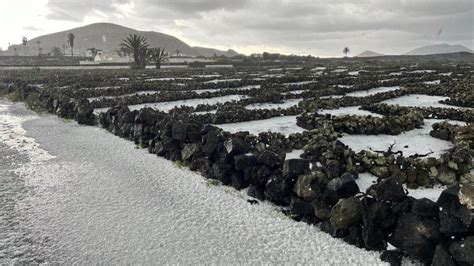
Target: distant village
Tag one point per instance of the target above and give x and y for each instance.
(92, 55)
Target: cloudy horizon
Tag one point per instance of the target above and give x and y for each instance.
(320, 28)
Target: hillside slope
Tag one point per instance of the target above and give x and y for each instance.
(368, 54)
(439, 49)
(108, 36)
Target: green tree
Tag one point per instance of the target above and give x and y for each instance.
(158, 56)
(71, 38)
(136, 46)
(24, 40)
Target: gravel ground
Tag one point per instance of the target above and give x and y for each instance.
(80, 195)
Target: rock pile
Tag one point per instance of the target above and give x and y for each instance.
(369, 125)
(466, 115)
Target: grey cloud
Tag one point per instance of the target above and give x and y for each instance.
(302, 26)
(73, 10)
(31, 28)
(196, 6)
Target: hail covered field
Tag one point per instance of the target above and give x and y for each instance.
(78, 194)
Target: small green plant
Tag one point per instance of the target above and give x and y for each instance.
(140, 146)
(290, 214)
(212, 182)
(3, 89)
(14, 96)
(33, 103)
(180, 164)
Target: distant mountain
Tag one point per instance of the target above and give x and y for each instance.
(211, 51)
(439, 49)
(108, 36)
(368, 54)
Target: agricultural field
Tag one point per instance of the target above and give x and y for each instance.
(366, 151)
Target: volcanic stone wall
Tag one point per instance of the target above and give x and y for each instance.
(327, 195)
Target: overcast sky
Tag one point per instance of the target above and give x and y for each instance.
(320, 28)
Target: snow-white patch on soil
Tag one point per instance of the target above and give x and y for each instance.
(366, 180)
(354, 73)
(446, 74)
(417, 141)
(344, 86)
(339, 70)
(386, 80)
(207, 76)
(124, 95)
(372, 91)
(275, 69)
(350, 110)
(395, 74)
(14, 136)
(331, 96)
(422, 71)
(159, 79)
(94, 88)
(215, 81)
(318, 69)
(285, 104)
(294, 154)
(284, 124)
(299, 83)
(293, 92)
(244, 88)
(420, 100)
(166, 106)
(273, 75)
(433, 82)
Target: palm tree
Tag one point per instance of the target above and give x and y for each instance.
(39, 48)
(70, 38)
(136, 46)
(157, 55)
(346, 51)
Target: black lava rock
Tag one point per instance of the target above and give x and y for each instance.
(244, 161)
(426, 208)
(455, 218)
(394, 257)
(179, 131)
(389, 189)
(339, 188)
(294, 167)
(442, 257)
(416, 236)
(463, 251)
(278, 190)
(270, 159)
(238, 181)
(256, 192)
(301, 207)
